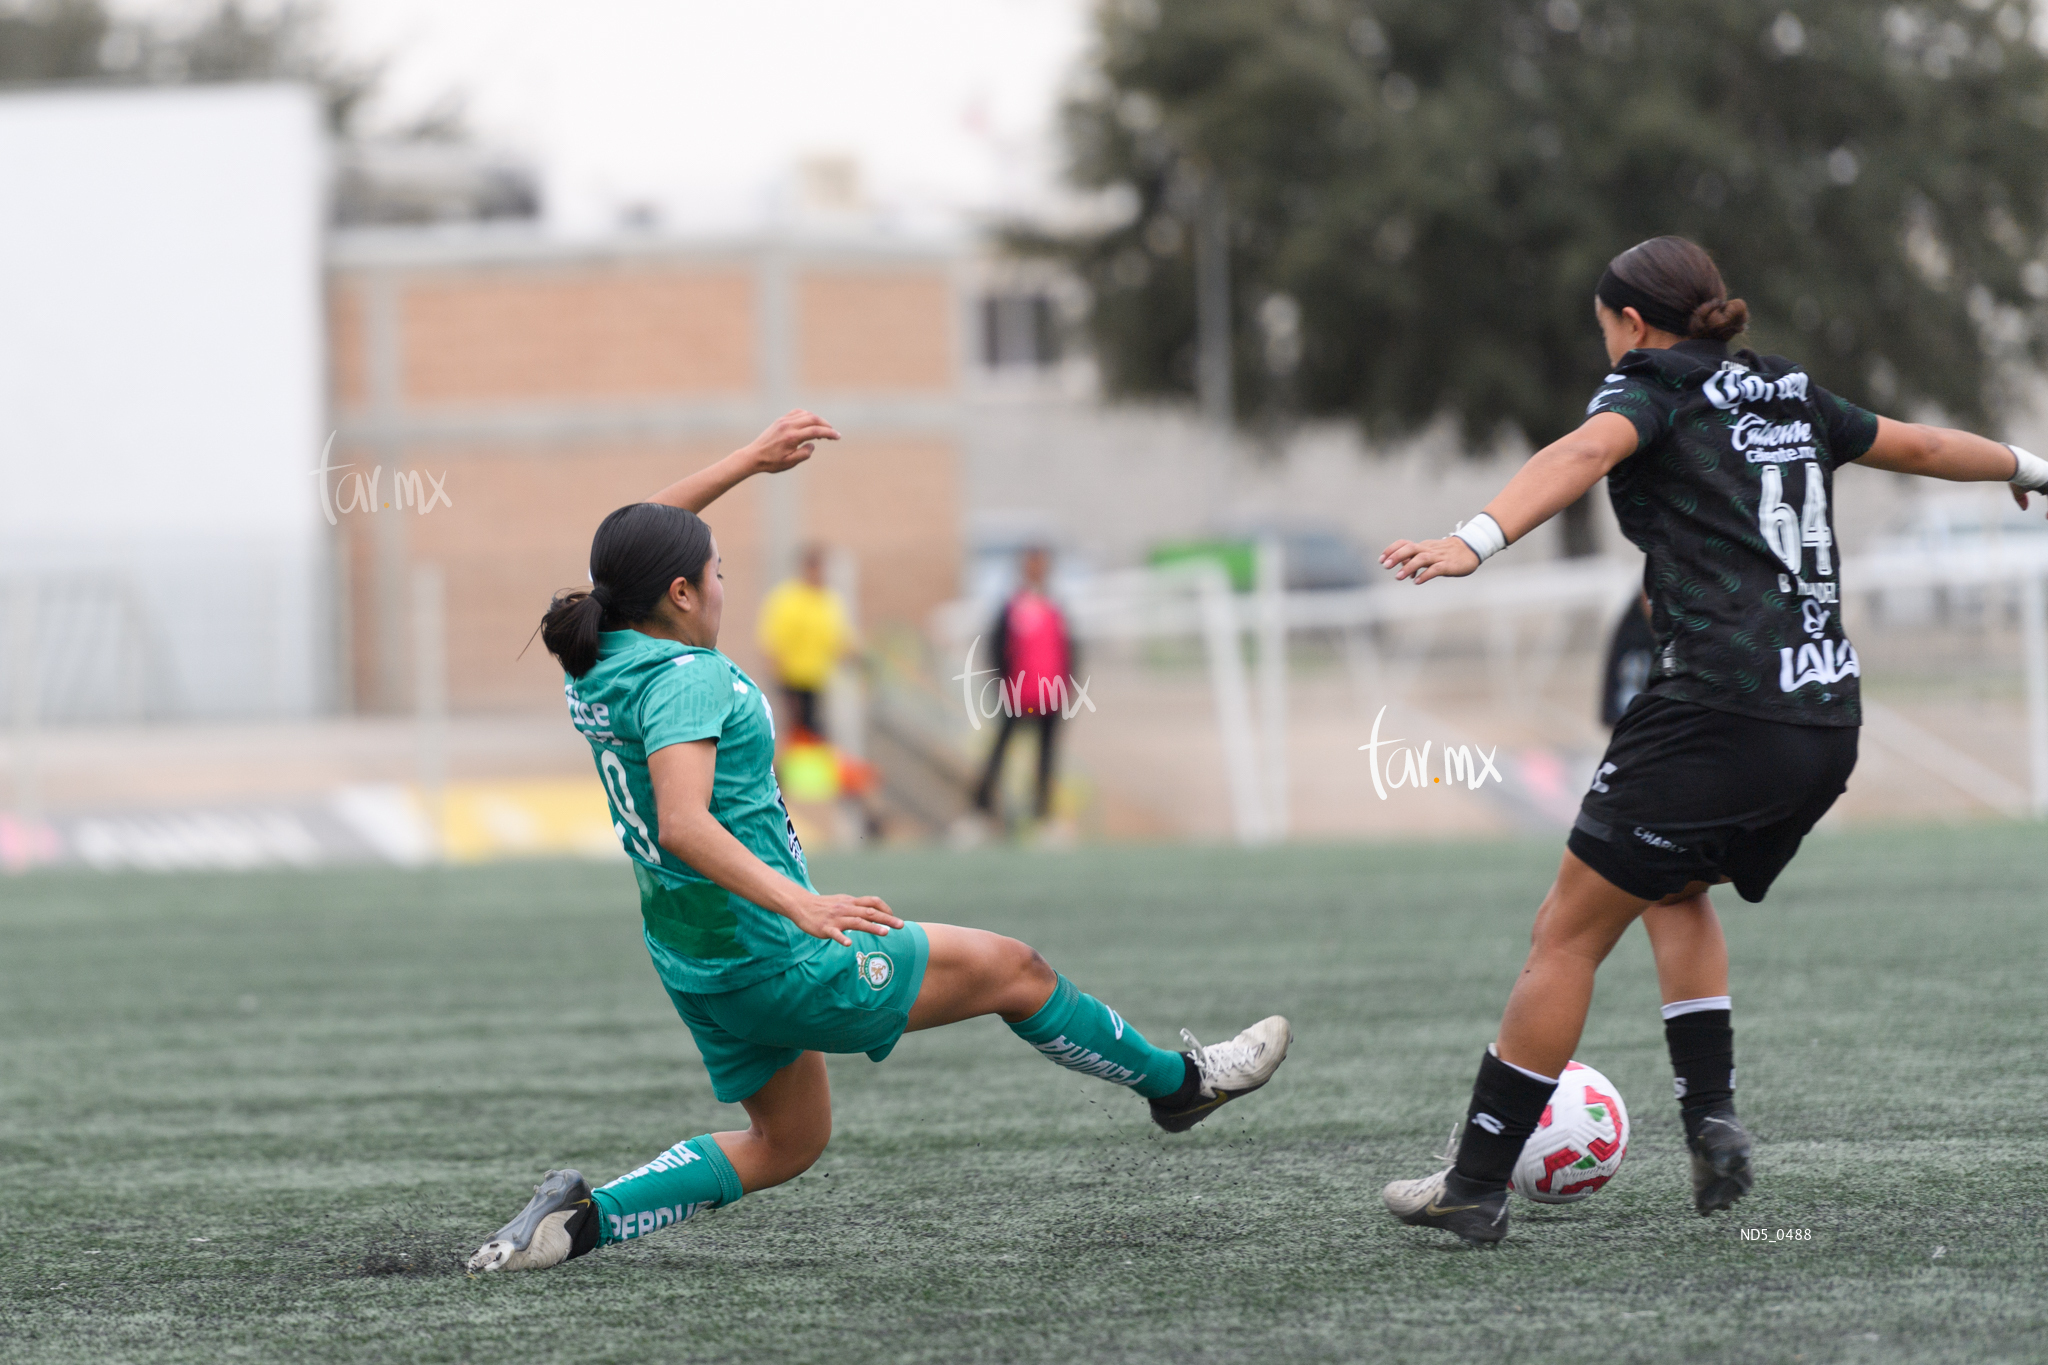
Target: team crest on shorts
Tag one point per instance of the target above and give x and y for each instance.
(875, 968)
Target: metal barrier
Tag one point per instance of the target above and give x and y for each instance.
(1194, 601)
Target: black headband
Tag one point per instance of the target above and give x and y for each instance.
(1618, 294)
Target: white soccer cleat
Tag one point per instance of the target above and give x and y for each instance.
(557, 1224)
(1227, 1070)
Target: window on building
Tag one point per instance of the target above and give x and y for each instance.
(1018, 330)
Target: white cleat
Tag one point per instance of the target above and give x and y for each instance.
(1227, 1070)
(558, 1224)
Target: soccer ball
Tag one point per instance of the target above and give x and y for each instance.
(1579, 1143)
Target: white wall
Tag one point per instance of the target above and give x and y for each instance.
(161, 397)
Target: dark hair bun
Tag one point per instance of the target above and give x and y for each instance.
(570, 629)
(1719, 320)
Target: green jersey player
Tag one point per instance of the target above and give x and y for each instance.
(768, 973)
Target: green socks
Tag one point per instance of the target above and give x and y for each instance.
(687, 1179)
(1082, 1034)
(1077, 1031)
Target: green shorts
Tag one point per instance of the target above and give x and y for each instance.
(842, 999)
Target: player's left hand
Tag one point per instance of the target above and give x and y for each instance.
(2019, 495)
(1424, 560)
(789, 441)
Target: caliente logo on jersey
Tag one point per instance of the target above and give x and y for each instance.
(1763, 441)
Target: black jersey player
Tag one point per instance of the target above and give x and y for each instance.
(1720, 467)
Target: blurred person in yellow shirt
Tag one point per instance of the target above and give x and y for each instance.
(803, 628)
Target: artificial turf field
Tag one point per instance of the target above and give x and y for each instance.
(266, 1116)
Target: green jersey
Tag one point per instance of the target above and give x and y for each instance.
(646, 694)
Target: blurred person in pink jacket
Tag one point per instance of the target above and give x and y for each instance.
(1035, 651)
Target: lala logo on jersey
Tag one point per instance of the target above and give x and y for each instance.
(1826, 662)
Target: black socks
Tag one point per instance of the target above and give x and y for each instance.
(1702, 1047)
(1506, 1106)
(583, 1228)
(1190, 1087)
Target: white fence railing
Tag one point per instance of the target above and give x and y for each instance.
(1195, 602)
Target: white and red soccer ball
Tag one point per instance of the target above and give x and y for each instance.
(1579, 1143)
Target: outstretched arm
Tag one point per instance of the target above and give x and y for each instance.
(1942, 453)
(1554, 478)
(681, 775)
(785, 445)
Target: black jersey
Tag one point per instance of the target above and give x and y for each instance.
(1729, 494)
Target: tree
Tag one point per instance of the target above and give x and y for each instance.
(51, 40)
(46, 41)
(1437, 184)
(430, 170)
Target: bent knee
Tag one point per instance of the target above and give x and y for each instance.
(1024, 964)
(1001, 959)
(790, 1156)
(1552, 938)
(806, 1155)
(1019, 979)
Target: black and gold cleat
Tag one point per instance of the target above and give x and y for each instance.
(1222, 1072)
(1721, 1172)
(1446, 1200)
(558, 1224)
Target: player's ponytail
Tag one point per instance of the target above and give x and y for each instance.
(637, 553)
(1674, 286)
(570, 629)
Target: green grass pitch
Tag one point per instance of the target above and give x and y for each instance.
(264, 1117)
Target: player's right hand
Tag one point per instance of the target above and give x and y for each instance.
(832, 916)
(789, 441)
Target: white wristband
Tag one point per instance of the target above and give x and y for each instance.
(1484, 535)
(2032, 473)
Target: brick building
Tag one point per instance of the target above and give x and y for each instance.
(539, 384)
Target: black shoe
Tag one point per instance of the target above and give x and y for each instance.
(1721, 1171)
(1222, 1072)
(558, 1224)
(1446, 1200)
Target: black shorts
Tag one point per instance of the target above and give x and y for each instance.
(1686, 793)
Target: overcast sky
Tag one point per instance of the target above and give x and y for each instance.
(701, 107)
